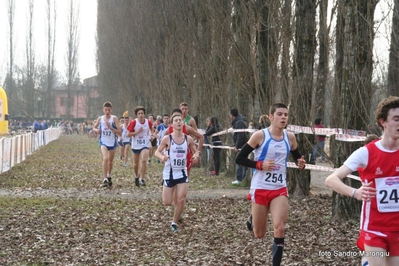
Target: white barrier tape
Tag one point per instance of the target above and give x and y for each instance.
(227, 131)
(219, 147)
(348, 135)
(350, 138)
(326, 131)
(293, 165)
(320, 168)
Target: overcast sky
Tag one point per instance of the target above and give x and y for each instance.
(87, 27)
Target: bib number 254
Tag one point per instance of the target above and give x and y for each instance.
(274, 177)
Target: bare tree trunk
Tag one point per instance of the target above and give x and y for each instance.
(267, 51)
(322, 73)
(393, 68)
(10, 77)
(286, 33)
(30, 97)
(51, 34)
(72, 51)
(354, 64)
(305, 48)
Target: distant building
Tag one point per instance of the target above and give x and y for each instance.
(84, 99)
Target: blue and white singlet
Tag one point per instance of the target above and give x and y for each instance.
(175, 167)
(124, 133)
(107, 137)
(271, 149)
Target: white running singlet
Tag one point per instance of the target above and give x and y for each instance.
(141, 140)
(175, 167)
(124, 133)
(271, 149)
(107, 137)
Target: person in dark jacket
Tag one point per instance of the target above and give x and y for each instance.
(212, 129)
(239, 139)
(319, 146)
(206, 141)
(44, 125)
(37, 125)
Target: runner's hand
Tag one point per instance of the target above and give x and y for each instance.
(268, 165)
(365, 192)
(165, 158)
(302, 163)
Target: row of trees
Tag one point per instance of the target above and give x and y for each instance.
(29, 86)
(217, 55)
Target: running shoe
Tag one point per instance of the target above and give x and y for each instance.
(109, 182)
(137, 182)
(174, 228)
(142, 182)
(105, 183)
(249, 223)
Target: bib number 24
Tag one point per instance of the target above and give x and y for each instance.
(393, 196)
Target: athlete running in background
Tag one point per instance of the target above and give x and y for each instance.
(188, 120)
(175, 175)
(141, 130)
(107, 126)
(126, 141)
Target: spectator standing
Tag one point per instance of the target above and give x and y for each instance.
(37, 126)
(215, 128)
(239, 139)
(320, 140)
(44, 125)
(206, 141)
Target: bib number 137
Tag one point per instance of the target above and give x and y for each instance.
(274, 177)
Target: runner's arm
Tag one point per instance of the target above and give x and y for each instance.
(162, 146)
(193, 148)
(118, 130)
(96, 124)
(197, 135)
(193, 124)
(242, 157)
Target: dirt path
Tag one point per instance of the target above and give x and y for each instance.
(118, 193)
(317, 187)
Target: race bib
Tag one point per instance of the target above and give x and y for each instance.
(106, 133)
(272, 179)
(140, 141)
(387, 194)
(179, 163)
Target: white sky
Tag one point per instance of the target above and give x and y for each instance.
(87, 27)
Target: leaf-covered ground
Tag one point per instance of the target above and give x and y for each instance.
(53, 211)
